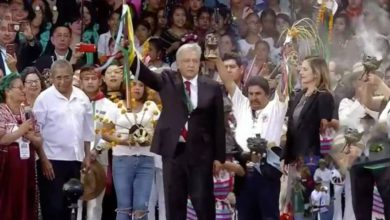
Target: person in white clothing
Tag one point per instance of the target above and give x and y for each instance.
(133, 163)
(103, 47)
(323, 174)
(351, 113)
(320, 201)
(64, 114)
(256, 114)
(90, 82)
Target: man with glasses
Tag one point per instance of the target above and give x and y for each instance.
(64, 114)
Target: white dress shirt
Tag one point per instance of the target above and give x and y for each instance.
(194, 90)
(65, 123)
(269, 121)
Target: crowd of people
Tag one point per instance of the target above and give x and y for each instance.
(196, 109)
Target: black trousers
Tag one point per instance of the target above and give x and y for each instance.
(259, 197)
(362, 183)
(183, 179)
(53, 202)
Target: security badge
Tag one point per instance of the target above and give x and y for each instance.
(24, 150)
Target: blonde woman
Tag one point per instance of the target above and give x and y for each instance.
(309, 111)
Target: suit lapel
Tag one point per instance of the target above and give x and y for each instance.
(201, 90)
(309, 102)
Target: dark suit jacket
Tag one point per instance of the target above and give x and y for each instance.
(206, 131)
(304, 137)
(26, 55)
(45, 61)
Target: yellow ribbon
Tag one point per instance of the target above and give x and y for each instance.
(130, 34)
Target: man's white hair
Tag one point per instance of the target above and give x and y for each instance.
(186, 47)
(60, 64)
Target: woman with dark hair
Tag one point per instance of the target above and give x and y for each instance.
(161, 22)
(344, 45)
(259, 61)
(42, 22)
(269, 33)
(133, 163)
(90, 26)
(151, 18)
(142, 32)
(113, 83)
(21, 11)
(103, 42)
(228, 45)
(221, 22)
(18, 136)
(177, 28)
(156, 55)
(283, 22)
(252, 35)
(33, 83)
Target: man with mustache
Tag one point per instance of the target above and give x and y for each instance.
(255, 114)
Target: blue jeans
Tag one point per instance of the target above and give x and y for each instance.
(133, 178)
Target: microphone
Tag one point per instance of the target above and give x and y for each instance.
(28, 114)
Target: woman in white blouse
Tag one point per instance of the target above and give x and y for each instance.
(133, 163)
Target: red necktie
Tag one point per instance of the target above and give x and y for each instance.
(188, 88)
(184, 132)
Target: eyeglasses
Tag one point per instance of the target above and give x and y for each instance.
(30, 82)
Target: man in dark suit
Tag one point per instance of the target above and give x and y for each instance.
(60, 39)
(190, 134)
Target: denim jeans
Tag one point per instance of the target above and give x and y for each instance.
(133, 178)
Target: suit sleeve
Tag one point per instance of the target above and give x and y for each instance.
(150, 78)
(28, 54)
(326, 106)
(219, 127)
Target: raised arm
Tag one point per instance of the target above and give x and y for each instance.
(227, 80)
(150, 78)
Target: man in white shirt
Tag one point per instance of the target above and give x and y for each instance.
(320, 202)
(323, 174)
(90, 82)
(64, 114)
(256, 114)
